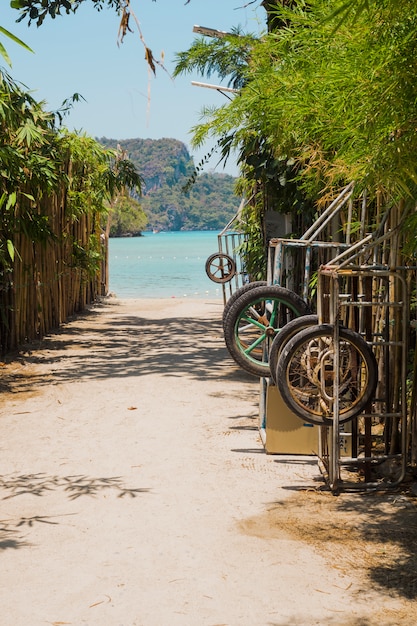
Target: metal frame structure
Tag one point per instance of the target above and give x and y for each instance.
(361, 290)
(280, 261)
(229, 240)
(373, 299)
(306, 249)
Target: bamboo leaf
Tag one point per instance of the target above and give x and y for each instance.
(11, 200)
(10, 35)
(3, 53)
(10, 249)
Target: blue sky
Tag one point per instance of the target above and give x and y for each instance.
(79, 53)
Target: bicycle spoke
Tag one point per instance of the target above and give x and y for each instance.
(306, 373)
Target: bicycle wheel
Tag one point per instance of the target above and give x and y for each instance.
(253, 321)
(236, 295)
(220, 267)
(305, 374)
(284, 335)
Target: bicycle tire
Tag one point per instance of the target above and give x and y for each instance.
(236, 295)
(253, 321)
(220, 267)
(304, 374)
(284, 335)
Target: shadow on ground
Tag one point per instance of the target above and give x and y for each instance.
(372, 532)
(95, 346)
(40, 485)
(74, 486)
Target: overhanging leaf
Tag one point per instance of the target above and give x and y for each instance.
(10, 249)
(15, 39)
(3, 53)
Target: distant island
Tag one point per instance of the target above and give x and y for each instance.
(166, 167)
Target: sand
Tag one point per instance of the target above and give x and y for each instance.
(135, 490)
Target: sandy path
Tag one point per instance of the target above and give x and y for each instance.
(136, 491)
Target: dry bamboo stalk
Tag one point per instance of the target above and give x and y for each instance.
(47, 289)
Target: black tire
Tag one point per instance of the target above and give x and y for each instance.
(284, 335)
(220, 267)
(253, 321)
(236, 295)
(305, 372)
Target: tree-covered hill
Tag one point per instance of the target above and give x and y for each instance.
(166, 166)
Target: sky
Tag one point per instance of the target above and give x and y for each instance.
(123, 100)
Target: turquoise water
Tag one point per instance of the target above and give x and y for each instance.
(163, 265)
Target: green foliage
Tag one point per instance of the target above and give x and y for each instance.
(225, 57)
(410, 240)
(268, 178)
(124, 175)
(37, 10)
(28, 146)
(30, 167)
(166, 167)
(127, 217)
(9, 35)
(55, 187)
(209, 205)
(159, 161)
(327, 97)
(7, 250)
(87, 258)
(252, 249)
(37, 159)
(98, 174)
(198, 170)
(337, 96)
(66, 107)
(88, 189)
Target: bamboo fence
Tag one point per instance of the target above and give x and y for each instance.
(48, 283)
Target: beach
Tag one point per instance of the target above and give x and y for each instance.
(135, 490)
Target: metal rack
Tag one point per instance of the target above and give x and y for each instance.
(229, 240)
(286, 257)
(372, 299)
(316, 246)
(352, 280)
(360, 287)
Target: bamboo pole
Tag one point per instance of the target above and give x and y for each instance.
(44, 287)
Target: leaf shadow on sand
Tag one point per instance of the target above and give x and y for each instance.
(96, 347)
(40, 485)
(73, 486)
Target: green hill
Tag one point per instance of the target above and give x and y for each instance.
(166, 166)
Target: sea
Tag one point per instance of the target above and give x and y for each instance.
(163, 265)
